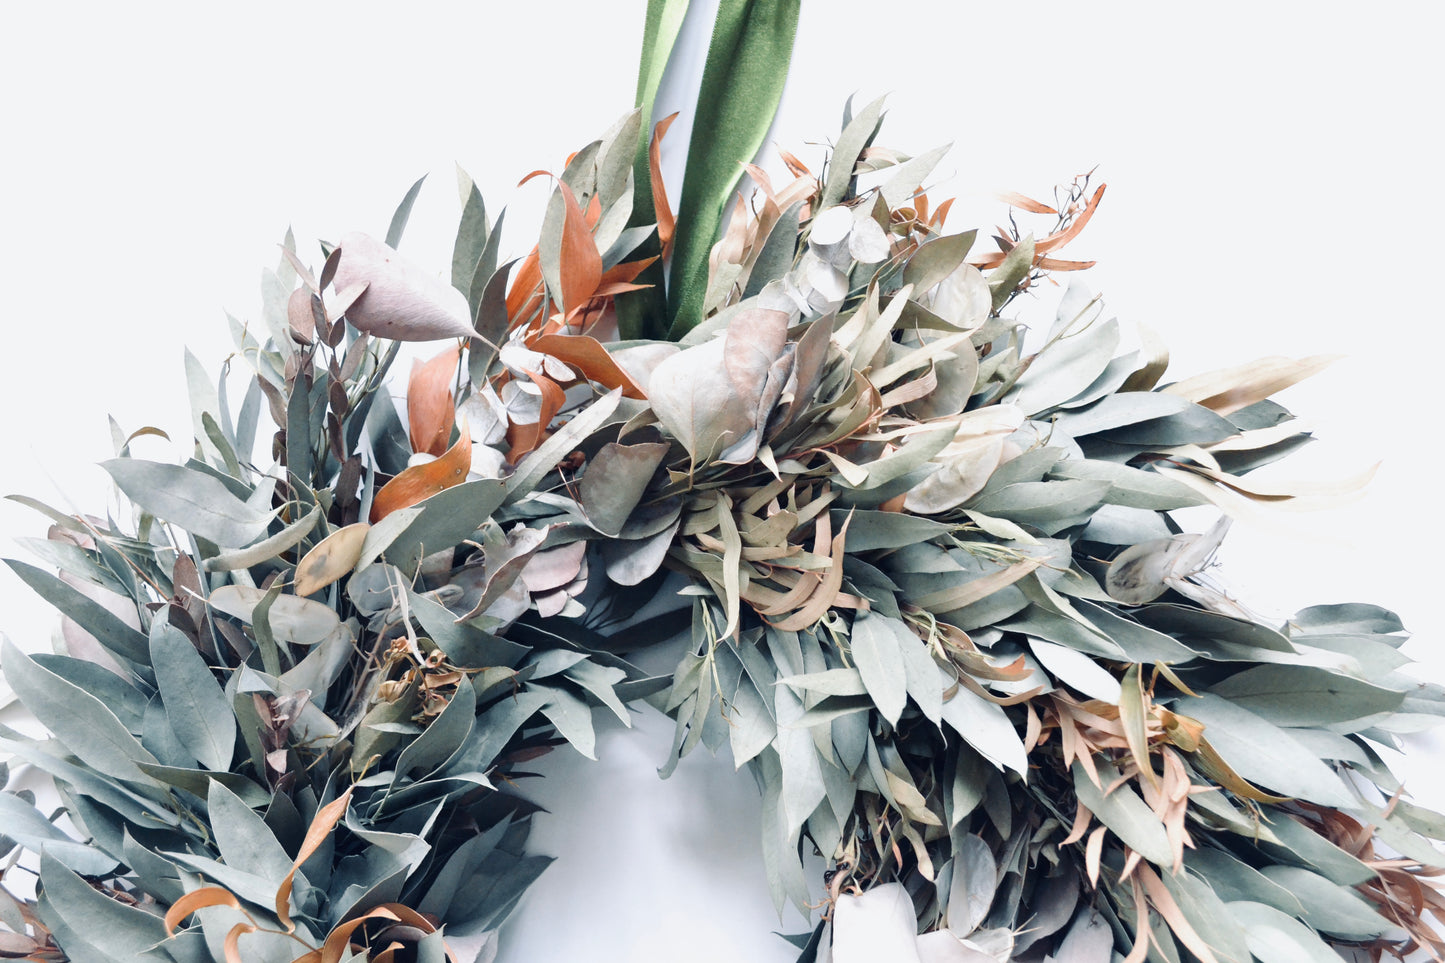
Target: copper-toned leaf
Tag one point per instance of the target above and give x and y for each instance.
(326, 819)
(331, 558)
(232, 946)
(1055, 241)
(666, 221)
(198, 899)
(1015, 199)
(430, 410)
(423, 481)
(581, 262)
(588, 356)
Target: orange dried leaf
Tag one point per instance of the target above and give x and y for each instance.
(525, 295)
(232, 946)
(589, 357)
(798, 168)
(666, 221)
(1025, 203)
(626, 271)
(1054, 264)
(326, 819)
(423, 481)
(430, 410)
(1163, 901)
(1055, 241)
(198, 899)
(581, 263)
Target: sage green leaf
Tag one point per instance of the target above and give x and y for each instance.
(601, 682)
(268, 548)
(1289, 695)
(444, 520)
(614, 483)
(1234, 880)
(925, 686)
(856, 136)
(870, 529)
(986, 727)
(742, 83)
(1016, 265)
(876, 653)
(1126, 815)
(1274, 937)
(1298, 844)
(1265, 754)
(403, 214)
(196, 705)
(1065, 367)
(697, 402)
(533, 468)
(465, 645)
(1346, 618)
(936, 259)
(442, 738)
(472, 234)
(243, 838)
(78, 719)
(907, 177)
(1130, 487)
(90, 615)
(25, 825)
(1047, 506)
(1327, 907)
(198, 782)
(196, 502)
(292, 619)
(776, 256)
(120, 695)
(1211, 919)
(127, 932)
(1195, 425)
(801, 777)
(1119, 410)
(753, 728)
(974, 883)
(571, 716)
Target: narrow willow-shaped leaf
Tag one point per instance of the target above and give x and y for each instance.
(196, 705)
(198, 503)
(79, 720)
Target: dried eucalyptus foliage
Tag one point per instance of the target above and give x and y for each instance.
(926, 578)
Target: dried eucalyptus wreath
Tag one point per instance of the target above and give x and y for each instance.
(929, 584)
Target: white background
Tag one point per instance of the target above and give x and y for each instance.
(1274, 189)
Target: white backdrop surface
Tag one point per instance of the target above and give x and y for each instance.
(1274, 189)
